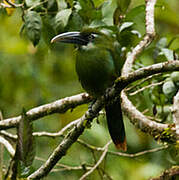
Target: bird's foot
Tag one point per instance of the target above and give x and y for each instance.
(107, 94)
(90, 107)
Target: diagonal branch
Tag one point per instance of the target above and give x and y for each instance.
(7, 145)
(13, 4)
(66, 143)
(98, 163)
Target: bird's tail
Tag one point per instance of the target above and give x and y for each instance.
(116, 124)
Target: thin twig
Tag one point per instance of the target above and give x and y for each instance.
(146, 87)
(42, 133)
(64, 167)
(139, 153)
(13, 4)
(37, 4)
(142, 81)
(98, 163)
(94, 148)
(5, 5)
(59, 133)
(7, 145)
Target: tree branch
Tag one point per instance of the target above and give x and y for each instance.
(70, 138)
(146, 87)
(7, 145)
(98, 162)
(13, 4)
(62, 105)
(150, 34)
(59, 106)
(135, 116)
(94, 148)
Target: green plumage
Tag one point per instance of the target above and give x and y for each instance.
(98, 64)
(95, 69)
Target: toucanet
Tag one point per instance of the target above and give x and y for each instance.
(98, 64)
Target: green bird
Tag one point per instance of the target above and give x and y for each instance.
(98, 65)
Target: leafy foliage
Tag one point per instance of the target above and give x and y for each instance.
(33, 26)
(31, 76)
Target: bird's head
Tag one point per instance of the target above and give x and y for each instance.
(82, 38)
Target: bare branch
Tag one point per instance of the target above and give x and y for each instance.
(62, 105)
(139, 120)
(168, 66)
(8, 135)
(7, 145)
(70, 138)
(98, 162)
(13, 4)
(146, 87)
(142, 81)
(64, 167)
(135, 116)
(5, 5)
(59, 133)
(150, 34)
(94, 148)
(59, 106)
(42, 133)
(138, 153)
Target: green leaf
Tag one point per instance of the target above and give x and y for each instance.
(75, 22)
(51, 5)
(175, 77)
(97, 23)
(162, 43)
(108, 10)
(168, 53)
(25, 143)
(169, 89)
(61, 19)
(135, 12)
(33, 26)
(98, 3)
(30, 3)
(48, 31)
(125, 25)
(123, 5)
(136, 33)
(137, 15)
(88, 12)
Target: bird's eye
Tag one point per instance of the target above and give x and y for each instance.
(91, 37)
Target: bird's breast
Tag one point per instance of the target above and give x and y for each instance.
(95, 69)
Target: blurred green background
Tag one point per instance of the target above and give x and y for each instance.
(31, 76)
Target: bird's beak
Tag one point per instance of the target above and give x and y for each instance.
(70, 37)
